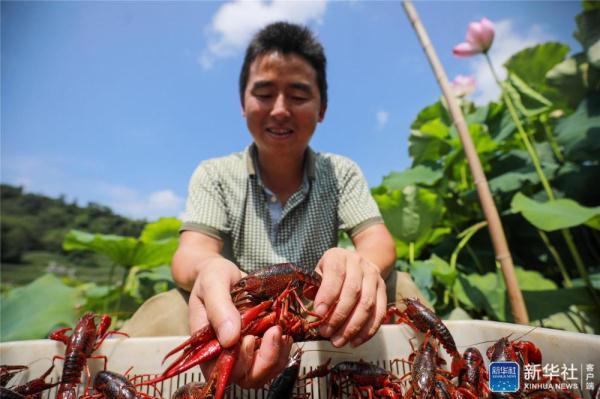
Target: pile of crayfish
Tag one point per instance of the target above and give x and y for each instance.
(279, 296)
(360, 379)
(427, 377)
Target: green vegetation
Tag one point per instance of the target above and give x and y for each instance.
(33, 222)
(540, 149)
(145, 259)
(36, 263)
(134, 269)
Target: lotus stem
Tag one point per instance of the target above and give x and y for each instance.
(466, 236)
(579, 328)
(522, 134)
(544, 180)
(580, 266)
(566, 279)
(591, 247)
(121, 289)
(553, 144)
(111, 273)
(559, 262)
(463, 176)
(478, 264)
(411, 252)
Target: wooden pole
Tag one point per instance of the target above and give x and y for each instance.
(515, 296)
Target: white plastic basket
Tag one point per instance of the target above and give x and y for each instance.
(390, 343)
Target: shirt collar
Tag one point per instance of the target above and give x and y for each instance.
(251, 155)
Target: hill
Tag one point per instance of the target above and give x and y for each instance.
(33, 227)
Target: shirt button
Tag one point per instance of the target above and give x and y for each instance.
(273, 199)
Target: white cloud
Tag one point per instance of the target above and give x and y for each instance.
(234, 23)
(54, 177)
(382, 118)
(507, 41)
(36, 174)
(130, 202)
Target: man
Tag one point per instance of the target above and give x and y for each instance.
(279, 201)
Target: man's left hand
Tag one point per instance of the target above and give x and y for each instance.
(354, 286)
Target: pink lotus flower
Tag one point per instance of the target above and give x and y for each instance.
(480, 36)
(463, 85)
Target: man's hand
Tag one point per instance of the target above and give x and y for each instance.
(354, 286)
(210, 302)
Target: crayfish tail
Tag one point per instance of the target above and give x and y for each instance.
(67, 391)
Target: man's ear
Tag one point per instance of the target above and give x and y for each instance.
(322, 113)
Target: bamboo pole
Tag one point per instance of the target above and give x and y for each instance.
(503, 256)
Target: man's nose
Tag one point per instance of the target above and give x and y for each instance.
(280, 108)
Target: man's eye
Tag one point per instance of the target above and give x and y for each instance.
(263, 96)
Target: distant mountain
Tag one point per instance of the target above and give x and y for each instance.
(32, 222)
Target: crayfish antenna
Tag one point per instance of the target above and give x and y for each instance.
(321, 371)
(174, 351)
(205, 353)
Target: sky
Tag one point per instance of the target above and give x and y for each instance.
(117, 102)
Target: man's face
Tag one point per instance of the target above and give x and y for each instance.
(282, 103)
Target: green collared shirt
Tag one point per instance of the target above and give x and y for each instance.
(227, 200)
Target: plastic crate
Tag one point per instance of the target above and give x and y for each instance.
(390, 343)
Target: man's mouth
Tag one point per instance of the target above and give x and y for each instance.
(279, 131)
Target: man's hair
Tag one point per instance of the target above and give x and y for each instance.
(287, 38)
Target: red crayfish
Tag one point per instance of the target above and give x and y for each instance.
(473, 375)
(272, 296)
(523, 352)
(82, 342)
(422, 319)
(526, 353)
(283, 386)
(31, 389)
(191, 390)
(111, 385)
(8, 372)
(428, 380)
(362, 378)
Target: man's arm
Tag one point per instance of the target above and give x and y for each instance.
(195, 251)
(199, 268)
(377, 245)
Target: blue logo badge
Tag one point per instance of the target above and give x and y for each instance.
(504, 376)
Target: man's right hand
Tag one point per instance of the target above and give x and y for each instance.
(210, 302)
